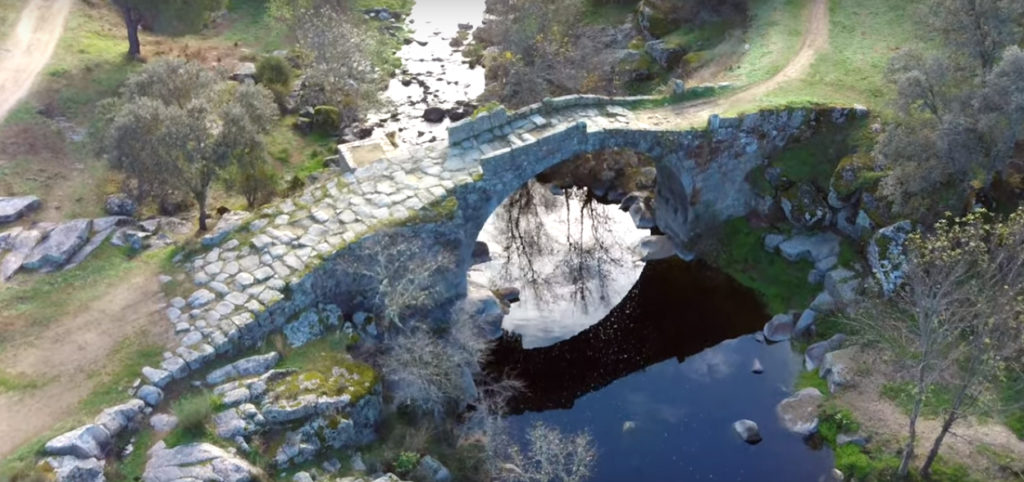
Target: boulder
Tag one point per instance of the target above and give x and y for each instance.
(246, 367)
(150, 394)
(837, 367)
(228, 224)
(805, 207)
(430, 470)
(642, 212)
(244, 71)
(652, 248)
(842, 285)
(481, 252)
(306, 328)
(434, 114)
(799, 413)
(68, 468)
(815, 353)
(59, 246)
(118, 418)
(90, 441)
(197, 461)
(811, 248)
(779, 328)
(887, 255)
(163, 423)
(14, 208)
(772, 242)
(120, 205)
(806, 321)
(747, 430)
(484, 309)
(823, 303)
(665, 54)
(156, 376)
(20, 245)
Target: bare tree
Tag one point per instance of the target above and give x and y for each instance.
(549, 456)
(343, 72)
(957, 318)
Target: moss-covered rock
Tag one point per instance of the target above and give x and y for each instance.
(854, 172)
(326, 120)
(805, 207)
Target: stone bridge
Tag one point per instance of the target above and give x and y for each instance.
(418, 211)
(261, 273)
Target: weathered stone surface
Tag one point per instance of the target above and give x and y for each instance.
(228, 224)
(150, 394)
(430, 470)
(196, 462)
(163, 423)
(652, 248)
(159, 378)
(837, 367)
(73, 469)
(799, 413)
(805, 322)
(842, 285)
(120, 205)
(20, 245)
(747, 430)
(59, 245)
(90, 441)
(779, 328)
(887, 256)
(118, 418)
(201, 298)
(816, 352)
(13, 208)
(246, 367)
(810, 248)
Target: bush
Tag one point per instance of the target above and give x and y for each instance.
(326, 120)
(193, 411)
(406, 462)
(834, 421)
(274, 70)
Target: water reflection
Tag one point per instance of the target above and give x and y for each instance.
(571, 258)
(659, 381)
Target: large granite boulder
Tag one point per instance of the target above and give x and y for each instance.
(813, 248)
(68, 468)
(59, 246)
(13, 208)
(805, 207)
(837, 367)
(20, 245)
(198, 462)
(887, 255)
(116, 419)
(90, 441)
(484, 309)
(799, 413)
(430, 470)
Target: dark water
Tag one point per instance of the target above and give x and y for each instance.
(673, 358)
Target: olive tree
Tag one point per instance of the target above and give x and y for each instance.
(178, 126)
(958, 318)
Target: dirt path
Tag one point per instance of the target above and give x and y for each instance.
(815, 39)
(71, 351)
(28, 49)
(879, 416)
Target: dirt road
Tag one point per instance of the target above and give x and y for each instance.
(69, 356)
(28, 49)
(815, 40)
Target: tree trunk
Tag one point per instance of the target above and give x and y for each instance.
(954, 414)
(201, 200)
(132, 20)
(908, 451)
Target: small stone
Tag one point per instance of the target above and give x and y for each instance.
(747, 430)
(757, 368)
(163, 423)
(150, 394)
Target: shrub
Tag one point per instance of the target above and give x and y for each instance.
(326, 120)
(274, 70)
(193, 411)
(406, 462)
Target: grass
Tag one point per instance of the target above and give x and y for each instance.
(194, 411)
(611, 14)
(776, 30)
(815, 159)
(249, 24)
(781, 285)
(111, 383)
(937, 398)
(810, 379)
(316, 360)
(864, 35)
(12, 382)
(30, 300)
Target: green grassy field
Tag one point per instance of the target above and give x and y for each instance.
(864, 35)
(774, 36)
